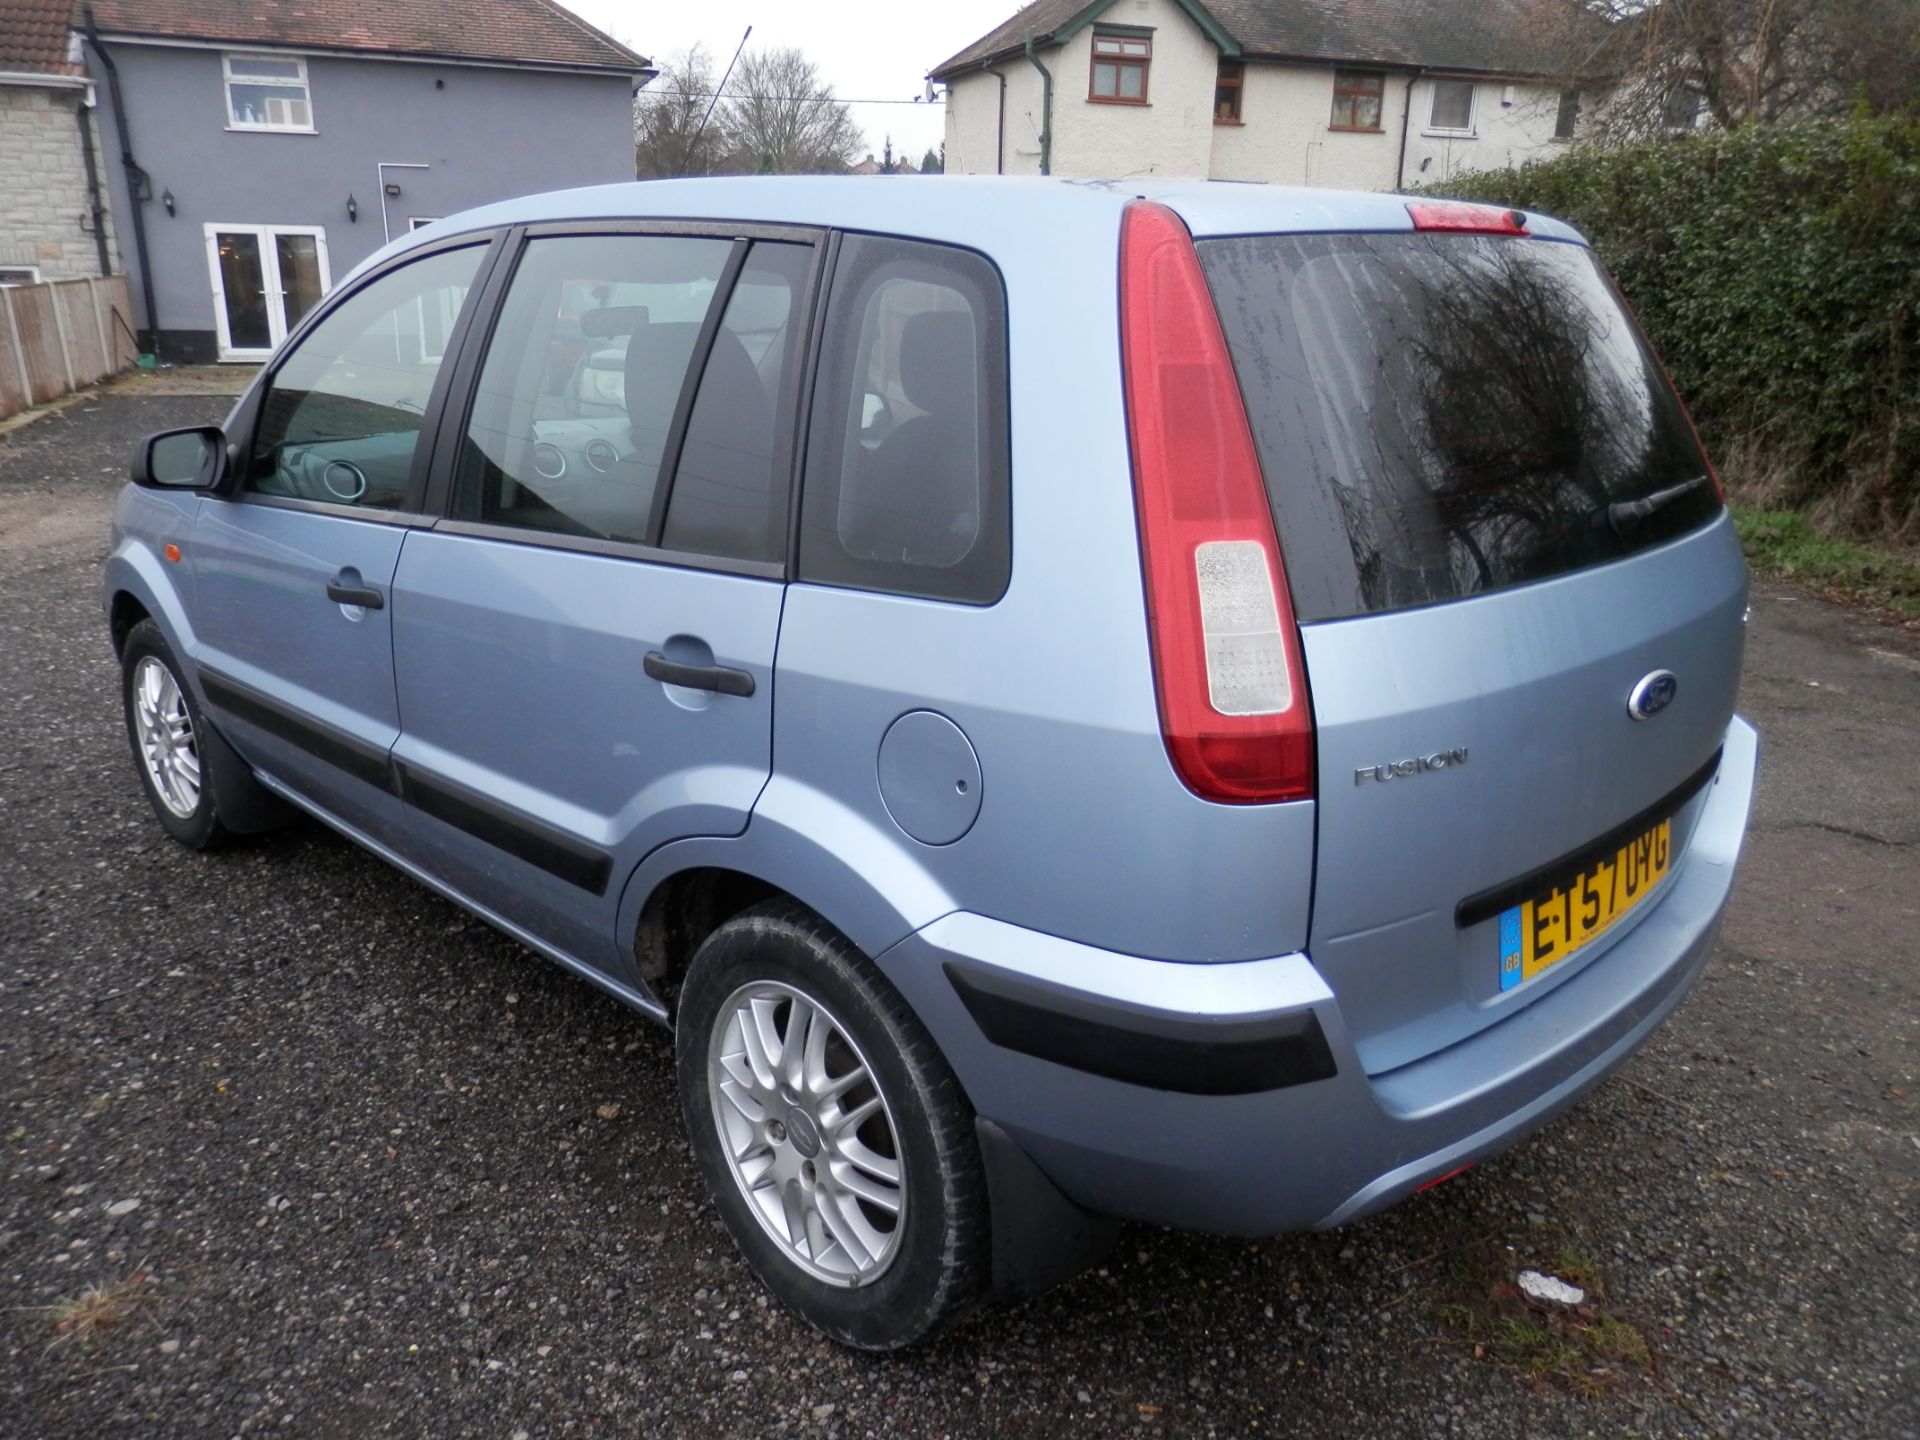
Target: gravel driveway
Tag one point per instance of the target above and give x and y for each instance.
(288, 1144)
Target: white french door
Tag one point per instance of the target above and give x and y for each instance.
(265, 279)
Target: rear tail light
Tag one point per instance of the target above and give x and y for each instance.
(1232, 685)
(1452, 216)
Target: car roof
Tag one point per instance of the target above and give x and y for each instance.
(990, 213)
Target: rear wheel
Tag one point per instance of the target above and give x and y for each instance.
(834, 1138)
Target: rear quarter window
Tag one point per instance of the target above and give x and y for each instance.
(1439, 416)
(906, 484)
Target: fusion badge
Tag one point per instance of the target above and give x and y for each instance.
(1407, 769)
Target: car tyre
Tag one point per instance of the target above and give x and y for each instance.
(165, 729)
(779, 1009)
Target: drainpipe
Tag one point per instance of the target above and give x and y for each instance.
(94, 202)
(1046, 110)
(1406, 127)
(1000, 128)
(136, 177)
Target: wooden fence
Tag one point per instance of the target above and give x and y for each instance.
(60, 335)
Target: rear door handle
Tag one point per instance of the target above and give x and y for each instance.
(722, 678)
(365, 596)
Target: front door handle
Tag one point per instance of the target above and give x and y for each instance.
(365, 596)
(722, 678)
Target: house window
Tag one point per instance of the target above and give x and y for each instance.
(1569, 118)
(1681, 110)
(1357, 96)
(1120, 68)
(1452, 107)
(12, 276)
(265, 92)
(1227, 88)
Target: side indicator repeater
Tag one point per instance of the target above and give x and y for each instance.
(172, 552)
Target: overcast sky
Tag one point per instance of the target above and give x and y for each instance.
(866, 49)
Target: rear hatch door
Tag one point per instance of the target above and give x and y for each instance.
(1521, 604)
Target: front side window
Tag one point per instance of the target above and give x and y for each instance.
(1357, 98)
(599, 414)
(341, 419)
(1228, 86)
(1452, 107)
(1120, 68)
(906, 486)
(266, 92)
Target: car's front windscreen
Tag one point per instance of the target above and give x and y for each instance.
(1443, 415)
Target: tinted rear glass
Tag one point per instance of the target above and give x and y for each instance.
(1443, 415)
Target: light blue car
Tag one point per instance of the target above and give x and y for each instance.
(1202, 704)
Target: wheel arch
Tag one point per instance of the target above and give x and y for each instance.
(866, 886)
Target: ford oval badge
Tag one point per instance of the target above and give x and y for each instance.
(1652, 695)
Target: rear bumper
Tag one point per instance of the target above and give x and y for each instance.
(1274, 1125)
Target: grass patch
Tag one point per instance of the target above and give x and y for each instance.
(1787, 544)
(1589, 1348)
(85, 1319)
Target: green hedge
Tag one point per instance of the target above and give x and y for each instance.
(1777, 269)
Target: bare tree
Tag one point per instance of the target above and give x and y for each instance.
(782, 118)
(1670, 64)
(666, 120)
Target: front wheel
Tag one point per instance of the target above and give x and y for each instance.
(832, 1134)
(164, 728)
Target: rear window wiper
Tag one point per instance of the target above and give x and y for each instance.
(1625, 514)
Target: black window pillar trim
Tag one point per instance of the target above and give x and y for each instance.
(482, 313)
(826, 265)
(690, 388)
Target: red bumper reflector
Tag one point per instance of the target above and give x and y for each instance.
(1456, 218)
(1442, 1179)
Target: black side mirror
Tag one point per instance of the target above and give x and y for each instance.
(193, 459)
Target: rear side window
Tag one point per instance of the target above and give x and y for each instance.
(1444, 415)
(906, 485)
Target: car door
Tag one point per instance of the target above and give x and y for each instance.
(292, 569)
(584, 644)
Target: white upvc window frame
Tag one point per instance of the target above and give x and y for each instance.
(32, 272)
(277, 327)
(299, 83)
(1473, 109)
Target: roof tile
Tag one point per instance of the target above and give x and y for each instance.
(534, 31)
(33, 36)
(1497, 36)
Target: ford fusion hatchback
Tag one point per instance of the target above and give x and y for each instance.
(1212, 707)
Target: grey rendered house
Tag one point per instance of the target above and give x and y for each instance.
(260, 149)
(53, 224)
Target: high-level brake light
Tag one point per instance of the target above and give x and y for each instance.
(1227, 662)
(1456, 217)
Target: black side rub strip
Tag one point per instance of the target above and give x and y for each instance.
(1161, 1052)
(1501, 898)
(521, 836)
(323, 742)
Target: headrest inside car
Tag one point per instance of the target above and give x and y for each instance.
(611, 320)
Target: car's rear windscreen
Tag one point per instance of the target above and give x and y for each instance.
(1444, 415)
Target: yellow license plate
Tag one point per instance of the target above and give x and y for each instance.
(1553, 926)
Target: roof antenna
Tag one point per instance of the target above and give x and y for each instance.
(694, 144)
